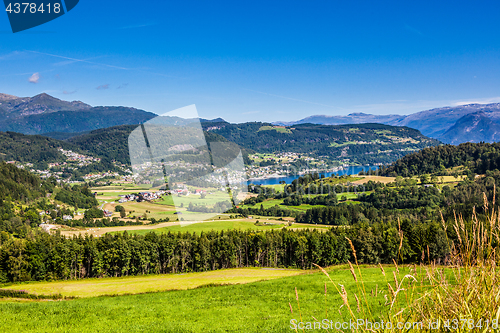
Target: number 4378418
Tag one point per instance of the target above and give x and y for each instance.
(33, 8)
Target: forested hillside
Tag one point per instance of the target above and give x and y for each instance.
(18, 184)
(361, 143)
(476, 157)
(23, 195)
(32, 148)
(112, 143)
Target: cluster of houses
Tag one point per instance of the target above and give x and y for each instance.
(91, 176)
(80, 158)
(73, 162)
(127, 178)
(151, 196)
(141, 196)
(65, 217)
(127, 197)
(185, 191)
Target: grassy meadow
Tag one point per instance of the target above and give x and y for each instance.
(265, 300)
(262, 306)
(199, 227)
(152, 283)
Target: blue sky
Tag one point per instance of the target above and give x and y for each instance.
(261, 60)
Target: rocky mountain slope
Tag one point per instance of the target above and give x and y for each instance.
(475, 127)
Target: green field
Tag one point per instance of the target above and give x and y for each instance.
(209, 226)
(336, 145)
(152, 283)
(275, 128)
(112, 193)
(253, 307)
(277, 187)
(211, 198)
(273, 202)
(302, 208)
(338, 180)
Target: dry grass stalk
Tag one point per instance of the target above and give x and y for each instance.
(326, 307)
(298, 305)
(382, 269)
(393, 293)
(396, 283)
(343, 295)
(353, 250)
(357, 302)
(352, 271)
(468, 288)
(395, 265)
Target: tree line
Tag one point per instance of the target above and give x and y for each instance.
(41, 256)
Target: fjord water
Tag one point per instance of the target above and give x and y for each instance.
(350, 170)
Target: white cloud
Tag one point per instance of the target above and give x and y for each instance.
(11, 55)
(479, 101)
(34, 78)
(103, 87)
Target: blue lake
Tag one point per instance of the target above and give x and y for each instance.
(351, 170)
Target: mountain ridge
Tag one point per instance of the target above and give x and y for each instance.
(474, 127)
(44, 113)
(433, 122)
(38, 104)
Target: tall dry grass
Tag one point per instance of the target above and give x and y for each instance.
(463, 296)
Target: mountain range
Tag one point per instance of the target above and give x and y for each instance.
(359, 143)
(46, 114)
(447, 124)
(50, 116)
